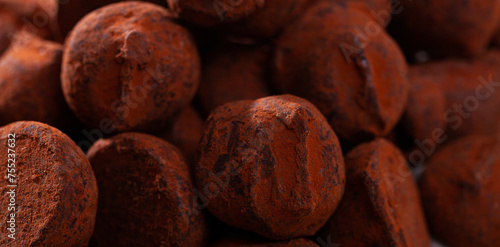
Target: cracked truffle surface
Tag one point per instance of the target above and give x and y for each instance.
(358, 81)
(272, 166)
(131, 64)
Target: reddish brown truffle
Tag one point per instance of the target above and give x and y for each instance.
(381, 204)
(232, 73)
(130, 64)
(185, 132)
(447, 27)
(272, 166)
(55, 201)
(461, 192)
(37, 17)
(30, 88)
(146, 194)
(470, 93)
(356, 76)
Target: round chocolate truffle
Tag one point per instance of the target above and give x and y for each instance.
(146, 194)
(381, 204)
(447, 27)
(346, 64)
(49, 191)
(233, 73)
(131, 64)
(272, 166)
(30, 88)
(461, 192)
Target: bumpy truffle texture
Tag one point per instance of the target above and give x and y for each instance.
(461, 192)
(356, 78)
(464, 29)
(131, 64)
(272, 166)
(37, 17)
(381, 204)
(209, 13)
(469, 90)
(30, 88)
(146, 194)
(56, 193)
(232, 73)
(185, 132)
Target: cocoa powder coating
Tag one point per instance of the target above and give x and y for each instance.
(146, 194)
(234, 72)
(30, 88)
(359, 84)
(272, 166)
(56, 193)
(461, 193)
(381, 204)
(131, 64)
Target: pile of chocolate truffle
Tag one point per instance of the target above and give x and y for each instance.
(190, 123)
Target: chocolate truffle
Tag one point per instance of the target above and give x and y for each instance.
(447, 27)
(341, 60)
(381, 204)
(469, 89)
(30, 88)
(130, 64)
(37, 17)
(272, 166)
(461, 192)
(146, 194)
(232, 73)
(51, 188)
(185, 132)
